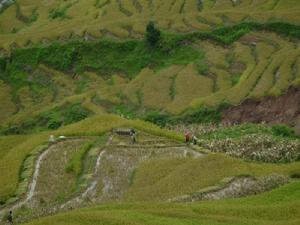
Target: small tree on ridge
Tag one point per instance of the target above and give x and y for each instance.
(152, 34)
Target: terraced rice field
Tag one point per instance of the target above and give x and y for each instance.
(50, 20)
(259, 64)
(106, 175)
(114, 171)
(68, 67)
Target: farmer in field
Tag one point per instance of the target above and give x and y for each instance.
(188, 136)
(10, 218)
(133, 136)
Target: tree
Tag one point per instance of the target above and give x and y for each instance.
(152, 34)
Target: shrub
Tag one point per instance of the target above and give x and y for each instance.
(54, 124)
(295, 175)
(48, 120)
(158, 118)
(2, 64)
(152, 34)
(283, 131)
(75, 114)
(205, 114)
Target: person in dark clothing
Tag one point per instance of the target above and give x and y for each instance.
(188, 137)
(133, 136)
(10, 218)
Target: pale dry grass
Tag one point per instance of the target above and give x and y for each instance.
(189, 84)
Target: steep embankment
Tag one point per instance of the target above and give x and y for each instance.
(284, 109)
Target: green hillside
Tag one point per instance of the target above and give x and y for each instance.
(78, 76)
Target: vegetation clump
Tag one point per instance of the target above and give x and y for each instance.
(256, 147)
(48, 120)
(152, 34)
(283, 130)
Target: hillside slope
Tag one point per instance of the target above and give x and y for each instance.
(78, 76)
(31, 21)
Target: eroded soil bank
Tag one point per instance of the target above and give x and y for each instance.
(284, 109)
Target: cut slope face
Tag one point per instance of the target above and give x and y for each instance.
(284, 109)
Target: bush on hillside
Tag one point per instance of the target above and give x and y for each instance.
(283, 130)
(2, 64)
(157, 118)
(49, 120)
(205, 114)
(152, 34)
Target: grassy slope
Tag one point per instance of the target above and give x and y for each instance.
(167, 179)
(212, 76)
(279, 207)
(127, 20)
(122, 20)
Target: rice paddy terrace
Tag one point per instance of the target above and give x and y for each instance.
(84, 171)
(83, 69)
(212, 52)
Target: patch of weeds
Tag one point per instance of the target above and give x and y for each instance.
(235, 78)
(126, 110)
(158, 118)
(283, 131)
(205, 115)
(49, 120)
(295, 175)
(15, 30)
(2, 65)
(61, 198)
(202, 67)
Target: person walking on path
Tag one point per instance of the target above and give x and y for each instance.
(10, 218)
(133, 136)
